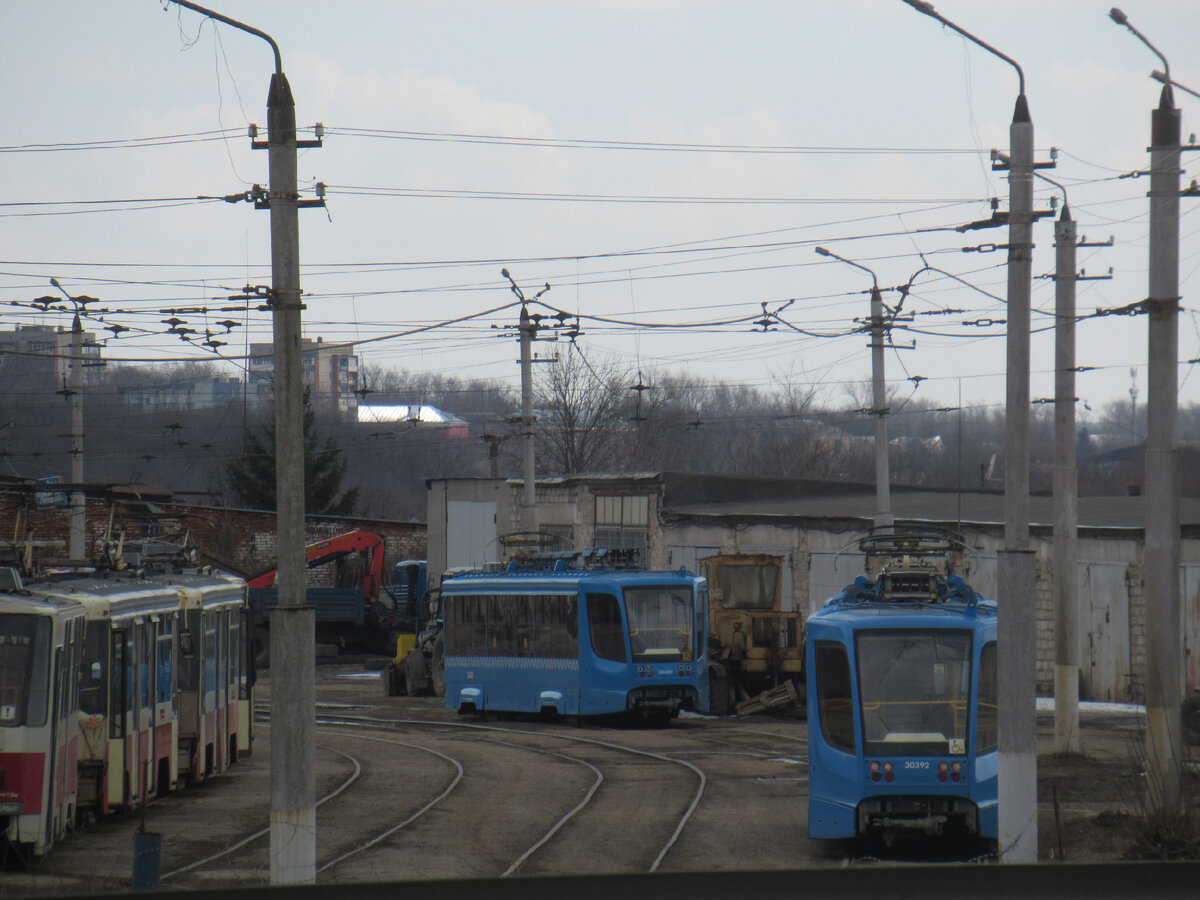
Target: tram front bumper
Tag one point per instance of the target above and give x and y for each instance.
(921, 814)
(662, 697)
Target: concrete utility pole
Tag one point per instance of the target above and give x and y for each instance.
(1066, 494)
(1068, 632)
(879, 409)
(293, 696)
(529, 470)
(1017, 621)
(1017, 664)
(76, 542)
(526, 330)
(1164, 654)
(73, 391)
(293, 647)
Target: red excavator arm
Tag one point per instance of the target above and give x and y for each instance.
(358, 553)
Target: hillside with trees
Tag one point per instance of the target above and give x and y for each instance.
(593, 415)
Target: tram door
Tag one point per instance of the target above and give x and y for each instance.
(222, 741)
(120, 685)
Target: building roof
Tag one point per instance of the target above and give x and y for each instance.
(416, 414)
(719, 496)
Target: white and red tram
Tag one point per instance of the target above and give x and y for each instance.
(128, 714)
(115, 688)
(216, 716)
(41, 639)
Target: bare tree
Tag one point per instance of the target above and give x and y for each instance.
(582, 421)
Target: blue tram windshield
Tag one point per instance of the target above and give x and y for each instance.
(24, 669)
(661, 622)
(915, 689)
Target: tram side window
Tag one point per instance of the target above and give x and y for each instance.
(235, 650)
(556, 626)
(189, 659)
(93, 677)
(121, 682)
(24, 669)
(988, 734)
(163, 690)
(834, 696)
(509, 625)
(466, 626)
(144, 632)
(209, 666)
(604, 620)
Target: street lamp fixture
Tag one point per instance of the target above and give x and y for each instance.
(1121, 19)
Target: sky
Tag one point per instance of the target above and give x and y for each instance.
(666, 166)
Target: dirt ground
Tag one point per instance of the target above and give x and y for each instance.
(751, 815)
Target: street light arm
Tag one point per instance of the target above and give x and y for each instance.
(512, 285)
(927, 8)
(821, 251)
(1055, 183)
(204, 11)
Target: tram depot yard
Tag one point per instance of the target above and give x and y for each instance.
(494, 789)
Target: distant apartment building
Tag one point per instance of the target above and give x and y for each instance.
(330, 372)
(191, 393)
(44, 352)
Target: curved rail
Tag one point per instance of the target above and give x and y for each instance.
(256, 835)
(702, 779)
(420, 812)
(545, 839)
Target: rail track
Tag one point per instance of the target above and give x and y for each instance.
(568, 808)
(410, 790)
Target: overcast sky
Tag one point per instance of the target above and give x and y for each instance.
(420, 219)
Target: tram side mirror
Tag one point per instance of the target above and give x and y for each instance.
(186, 646)
(97, 672)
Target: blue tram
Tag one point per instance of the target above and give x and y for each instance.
(903, 728)
(555, 636)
